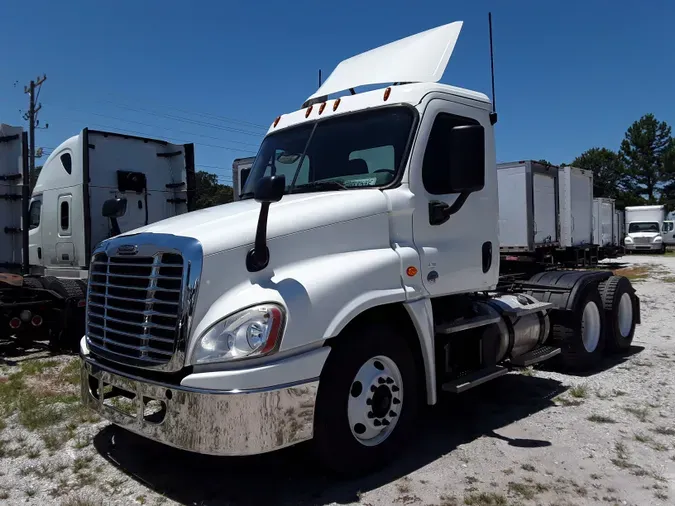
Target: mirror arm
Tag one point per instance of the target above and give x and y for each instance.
(458, 203)
(258, 257)
(440, 212)
(115, 226)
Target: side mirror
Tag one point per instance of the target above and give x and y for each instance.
(267, 190)
(467, 159)
(114, 208)
(270, 189)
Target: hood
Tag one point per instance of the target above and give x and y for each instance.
(228, 226)
(651, 235)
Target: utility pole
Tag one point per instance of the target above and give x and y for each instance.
(31, 116)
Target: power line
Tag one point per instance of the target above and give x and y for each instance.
(156, 126)
(186, 120)
(146, 134)
(196, 113)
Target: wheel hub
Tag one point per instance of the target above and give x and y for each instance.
(375, 400)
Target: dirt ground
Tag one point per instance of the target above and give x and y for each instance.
(532, 438)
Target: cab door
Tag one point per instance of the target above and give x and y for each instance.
(34, 231)
(456, 209)
(668, 233)
(65, 250)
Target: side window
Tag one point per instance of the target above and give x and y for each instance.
(34, 214)
(67, 162)
(65, 216)
(436, 163)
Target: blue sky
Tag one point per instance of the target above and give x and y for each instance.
(570, 75)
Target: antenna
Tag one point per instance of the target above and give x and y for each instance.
(319, 78)
(493, 114)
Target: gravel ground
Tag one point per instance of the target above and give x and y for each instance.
(531, 438)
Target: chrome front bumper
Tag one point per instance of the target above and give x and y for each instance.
(203, 421)
(644, 247)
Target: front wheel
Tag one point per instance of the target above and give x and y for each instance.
(368, 399)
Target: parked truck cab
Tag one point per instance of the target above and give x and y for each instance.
(63, 220)
(644, 226)
(358, 275)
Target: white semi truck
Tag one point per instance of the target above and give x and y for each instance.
(357, 278)
(645, 226)
(93, 186)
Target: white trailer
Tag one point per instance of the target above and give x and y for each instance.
(93, 186)
(644, 228)
(606, 228)
(575, 194)
(528, 206)
(619, 226)
(330, 304)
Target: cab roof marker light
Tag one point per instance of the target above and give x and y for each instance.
(387, 92)
(322, 107)
(308, 111)
(336, 104)
(276, 122)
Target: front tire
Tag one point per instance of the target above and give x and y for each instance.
(367, 401)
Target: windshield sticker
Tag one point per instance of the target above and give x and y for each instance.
(361, 182)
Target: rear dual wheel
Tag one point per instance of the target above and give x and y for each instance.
(621, 312)
(581, 332)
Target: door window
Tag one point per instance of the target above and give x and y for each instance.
(34, 214)
(437, 156)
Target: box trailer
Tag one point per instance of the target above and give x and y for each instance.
(619, 226)
(528, 206)
(644, 228)
(606, 228)
(575, 196)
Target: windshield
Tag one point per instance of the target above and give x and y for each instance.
(357, 150)
(643, 227)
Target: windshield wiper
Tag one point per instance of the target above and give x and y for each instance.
(318, 186)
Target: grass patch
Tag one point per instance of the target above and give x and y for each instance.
(35, 367)
(566, 401)
(634, 273)
(527, 371)
(4, 494)
(639, 413)
(664, 431)
(79, 501)
(661, 495)
(485, 499)
(600, 419)
(527, 491)
(668, 279)
(579, 392)
(403, 486)
(81, 463)
(528, 467)
(35, 413)
(70, 374)
(55, 439)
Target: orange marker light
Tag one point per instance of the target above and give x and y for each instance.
(387, 92)
(411, 271)
(309, 111)
(276, 121)
(322, 107)
(336, 104)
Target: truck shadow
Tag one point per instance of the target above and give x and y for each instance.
(610, 361)
(290, 477)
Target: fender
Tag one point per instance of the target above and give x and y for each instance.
(421, 315)
(321, 294)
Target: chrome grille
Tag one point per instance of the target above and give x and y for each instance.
(134, 305)
(641, 240)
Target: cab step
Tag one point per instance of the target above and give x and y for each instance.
(535, 356)
(474, 379)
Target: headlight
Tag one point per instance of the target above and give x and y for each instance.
(658, 238)
(249, 333)
(628, 240)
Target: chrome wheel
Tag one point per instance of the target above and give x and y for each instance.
(591, 326)
(625, 314)
(375, 401)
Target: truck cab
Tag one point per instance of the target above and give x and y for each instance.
(644, 228)
(357, 277)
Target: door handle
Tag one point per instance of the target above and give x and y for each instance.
(39, 252)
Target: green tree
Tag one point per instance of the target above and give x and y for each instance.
(609, 171)
(210, 192)
(645, 151)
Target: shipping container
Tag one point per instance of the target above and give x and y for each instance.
(528, 206)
